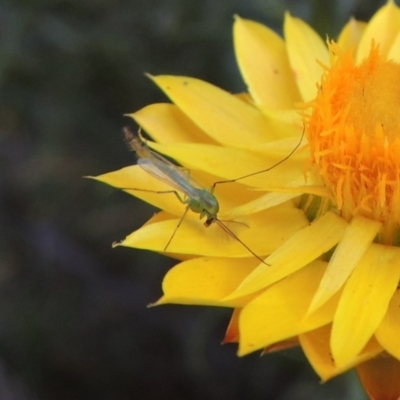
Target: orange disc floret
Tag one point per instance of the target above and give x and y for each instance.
(354, 137)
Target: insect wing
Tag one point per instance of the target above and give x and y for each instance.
(171, 175)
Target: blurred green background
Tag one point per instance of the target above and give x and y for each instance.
(73, 316)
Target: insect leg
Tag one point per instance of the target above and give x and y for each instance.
(158, 192)
(177, 227)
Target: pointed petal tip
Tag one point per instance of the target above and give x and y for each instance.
(316, 303)
(117, 244)
(159, 302)
(95, 178)
(229, 339)
(231, 336)
(233, 296)
(245, 349)
(280, 346)
(287, 14)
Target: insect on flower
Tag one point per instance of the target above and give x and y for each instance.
(197, 198)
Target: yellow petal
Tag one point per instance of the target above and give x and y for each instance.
(315, 345)
(217, 160)
(302, 248)
(388, 331)
(166, 123)
(394, 52)
(137, 182)
(351, 34)
(380, 378)
(205, 281)
(225, 118)
(356, 240)
(382, 28)
(277, 195)
(283, 345)
(364, 301)
(232, 332)
(260, 203)
(277, 313)
(304, 48)
(263, 61)
(244, 96)
(194, 238)
(134, 177)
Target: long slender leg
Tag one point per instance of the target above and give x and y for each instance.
(163, 192)
(157, 192)
(177, 227)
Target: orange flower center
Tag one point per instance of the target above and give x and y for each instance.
(354, 137)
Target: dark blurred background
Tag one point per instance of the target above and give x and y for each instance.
(73, 316)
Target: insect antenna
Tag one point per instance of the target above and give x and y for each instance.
(230, 233)
(264, 170)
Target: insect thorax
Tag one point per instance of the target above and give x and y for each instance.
(206, 204)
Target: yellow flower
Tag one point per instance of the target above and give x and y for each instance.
(326, 220)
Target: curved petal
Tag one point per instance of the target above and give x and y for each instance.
(394, 52)
(302, 248)
(263, 61)
(356, 240)
(315, 345)
(388, 331)
(283, 345)
(261, 203)
(364, 301)
(137, 182)
(277, 195)
(278, 313)
(305, 48)
(380, 378)
(232, 333)
(217, 160)
(166, 123)
(205, 281)
(382, 29)
(351, 34)
(193, 238)
(225, 118)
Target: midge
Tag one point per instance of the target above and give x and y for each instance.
(197, 198)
